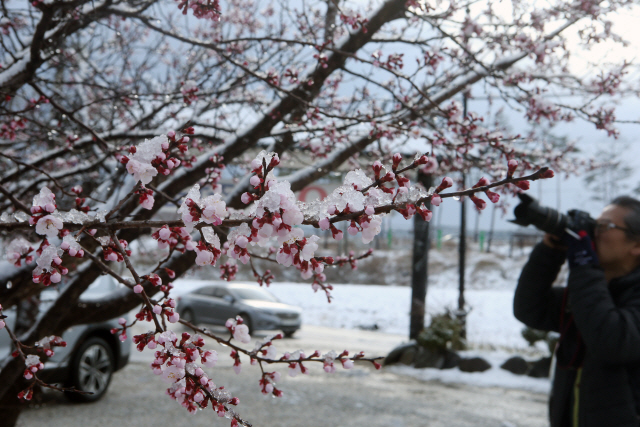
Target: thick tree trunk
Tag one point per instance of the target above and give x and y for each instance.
(419, 273)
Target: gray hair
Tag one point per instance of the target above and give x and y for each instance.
(632, 219)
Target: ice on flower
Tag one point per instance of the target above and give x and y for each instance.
(357, 179)
(211, 237)
(44, 198)
(344, 195)
(50, 254)
(32, 360)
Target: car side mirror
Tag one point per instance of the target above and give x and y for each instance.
(229, 299)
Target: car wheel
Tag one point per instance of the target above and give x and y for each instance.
(91, 370)
(246, 319)
(188, 316)
(288, 334)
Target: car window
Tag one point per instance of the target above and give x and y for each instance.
(220, 293)
(254, 293)
(208, 291)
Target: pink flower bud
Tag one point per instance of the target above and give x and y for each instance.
(548, 174)
(513, 165)
(369, 210)
(246, 198)
(137, 289)
(436, 199)
(255, 180)
(494, 197)
(480, 204)
(523, 185)
(324, 224)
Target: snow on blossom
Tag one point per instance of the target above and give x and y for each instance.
(17, 249)
(70, 244)
(211, 209)
(143, 172)
(209, 358)
(358, 179)
(49, 225)
(214, 209)
(329, 359)
(238, 239)
(45, 200)
(48, 262)
(343, 197)
(371, 229)
(139, 164)
(241, 333)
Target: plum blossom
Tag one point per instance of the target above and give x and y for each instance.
(239, 330)
(143, 172)
(49, 225)
(238, 239)
(329, 359)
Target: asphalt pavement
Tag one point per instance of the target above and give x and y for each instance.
(358, 397)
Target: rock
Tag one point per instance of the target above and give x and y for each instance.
(451, 359)
(429, 358)
(516, 365)
(396, 354)
(408, 356)
(540, 368)
(474, 364)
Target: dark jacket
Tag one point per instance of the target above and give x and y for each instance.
(600, 339)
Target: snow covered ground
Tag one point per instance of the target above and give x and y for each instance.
(492, 331)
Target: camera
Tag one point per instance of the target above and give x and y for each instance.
(529, 211)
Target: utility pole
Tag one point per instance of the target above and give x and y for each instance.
(462, 245)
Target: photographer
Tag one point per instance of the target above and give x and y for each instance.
(597, 371)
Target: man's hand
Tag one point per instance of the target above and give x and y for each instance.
(581, 252)
(554, 242)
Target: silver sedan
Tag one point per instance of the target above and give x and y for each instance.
(215, 303)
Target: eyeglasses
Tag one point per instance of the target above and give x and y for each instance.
(602, 226)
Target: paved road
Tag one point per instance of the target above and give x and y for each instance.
(359, 397)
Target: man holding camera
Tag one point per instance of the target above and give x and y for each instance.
(597, 371)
